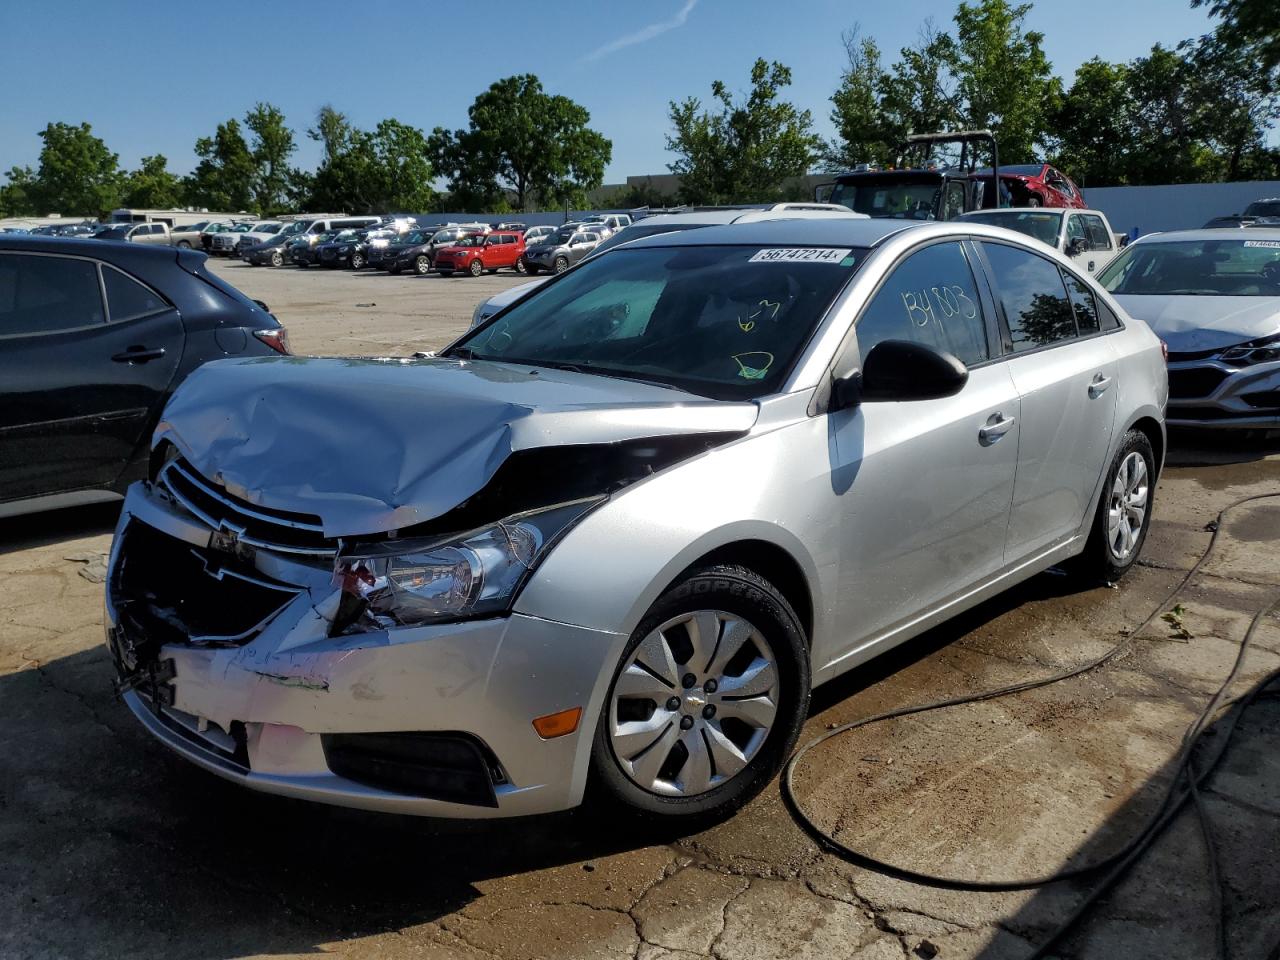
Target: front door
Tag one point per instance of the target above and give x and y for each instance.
(81, 385)
(1066, 373)
(924, 486)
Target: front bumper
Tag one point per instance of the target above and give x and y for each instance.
(267, 713)
(1210, 393)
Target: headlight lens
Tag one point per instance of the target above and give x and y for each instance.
(1263, 350)
(468, 575)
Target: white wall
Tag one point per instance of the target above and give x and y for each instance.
(1179, 206)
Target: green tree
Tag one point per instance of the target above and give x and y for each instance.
(641, 193)
(863, 132)
(746, 150)
(332, 131)
(17, 197)
(383, 171)
(1249, 29)
(272, 146)
(223, 179)
(536, 145)
(152, 186)
(1092, 124)
(77, 175)
(1003, 77)
(918, 95)
(1163, 140)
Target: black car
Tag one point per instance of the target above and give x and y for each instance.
(345, 249)
(93, 340)
(274, 252)
(386, 256)
(301, 251)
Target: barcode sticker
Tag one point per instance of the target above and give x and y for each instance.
(800, 255)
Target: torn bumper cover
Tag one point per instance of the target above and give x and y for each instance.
(230, 663)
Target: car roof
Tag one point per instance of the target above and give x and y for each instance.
(1212, 233)
(832, 231)
(81, 247)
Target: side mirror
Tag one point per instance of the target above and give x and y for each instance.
(1077, 245)
(898, 370)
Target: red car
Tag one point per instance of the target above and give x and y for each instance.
(1038, 185)
(482, 251)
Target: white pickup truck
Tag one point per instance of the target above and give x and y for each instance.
(1083, 235)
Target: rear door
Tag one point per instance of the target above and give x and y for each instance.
(1066, 373)
(83, 379)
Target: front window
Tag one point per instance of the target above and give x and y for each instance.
(1263, 208)
(1042, 226)
(1204, 268)
(722, 321)
(912, 199)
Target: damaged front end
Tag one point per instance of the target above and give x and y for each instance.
(383, 671)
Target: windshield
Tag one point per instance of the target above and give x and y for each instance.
(194, 227)
(267, 228)
(1043, 226)
(901, 200)
(112, 233)
(1263, 208)
(1205, 268)
(724, 321)
(345, 235)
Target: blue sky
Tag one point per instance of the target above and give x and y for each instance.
(151, 77)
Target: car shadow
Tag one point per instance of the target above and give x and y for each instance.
(1194, 447)
(53, 526)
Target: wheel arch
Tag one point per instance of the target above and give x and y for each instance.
(770, 561)
(1155, 434)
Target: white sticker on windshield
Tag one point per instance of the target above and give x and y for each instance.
(800, 255)
(1269, 244)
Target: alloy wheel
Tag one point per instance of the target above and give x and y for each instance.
(1127, 510)
(694, 703)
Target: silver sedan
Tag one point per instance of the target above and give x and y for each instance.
(1213, 296)
(616, 534)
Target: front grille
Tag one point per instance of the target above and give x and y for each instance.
(242, 522)
(1262, 398)
(1196, 382)
(441, 766)
(167, 591)
(1177, 357)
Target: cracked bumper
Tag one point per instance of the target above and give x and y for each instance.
(257, 713)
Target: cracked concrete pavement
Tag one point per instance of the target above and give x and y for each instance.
(113, 848)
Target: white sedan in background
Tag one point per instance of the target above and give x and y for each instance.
(1084, 236)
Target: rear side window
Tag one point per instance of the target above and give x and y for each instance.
(1031, 290)
(47, 294)
(1083, 304)
(127, 299)
(930, 298)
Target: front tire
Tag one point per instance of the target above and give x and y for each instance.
(184, 244)
(357, 261)
(1035, 201)
(520, 267)
(707, 701)
(422, 265)
(1124, 512)
(561, 265)
(277, 259)
(476, 268)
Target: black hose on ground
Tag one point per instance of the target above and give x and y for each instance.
(1176, 795)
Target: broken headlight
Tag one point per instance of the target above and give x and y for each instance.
(401, 583)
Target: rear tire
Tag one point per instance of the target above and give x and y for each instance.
(277, 259)
(357, 261)
(561, 265)
(422, 265)
(778, 660)
(520, 266)
(184, 244)
(477, 268)
(1118, 533)
(1034, 201)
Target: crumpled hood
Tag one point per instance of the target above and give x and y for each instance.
(377, 445)
(1192, 324)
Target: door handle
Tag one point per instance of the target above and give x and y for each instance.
(1099, 386)
(997, 426)
(138, 355)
